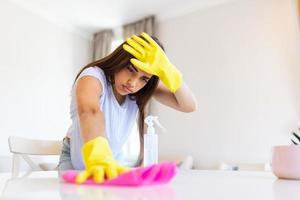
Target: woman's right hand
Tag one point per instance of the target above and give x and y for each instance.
(99, 162)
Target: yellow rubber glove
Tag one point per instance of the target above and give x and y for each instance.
(152, 59)
(99, 162)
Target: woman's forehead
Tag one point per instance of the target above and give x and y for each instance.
(140, 71)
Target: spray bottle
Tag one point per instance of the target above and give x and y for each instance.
(150, 141)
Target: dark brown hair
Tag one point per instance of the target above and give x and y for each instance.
(113, 63)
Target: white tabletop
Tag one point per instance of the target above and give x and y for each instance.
(188, 184)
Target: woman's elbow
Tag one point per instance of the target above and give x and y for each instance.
(191, 108)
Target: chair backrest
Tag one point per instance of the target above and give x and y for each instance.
(24, 148)
(34, 147)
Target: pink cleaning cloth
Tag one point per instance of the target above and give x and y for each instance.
(151, 175)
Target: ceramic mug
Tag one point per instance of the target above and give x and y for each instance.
(286, 161)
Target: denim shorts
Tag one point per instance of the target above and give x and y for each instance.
(65, 162)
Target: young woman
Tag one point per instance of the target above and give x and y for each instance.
(107, 97)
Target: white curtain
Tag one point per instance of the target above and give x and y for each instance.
(102, 44)
(144, 25)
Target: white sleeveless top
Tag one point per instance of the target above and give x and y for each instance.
(119, 119)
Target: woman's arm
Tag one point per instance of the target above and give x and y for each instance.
(182, 100)
(96, 153)
(92, 123)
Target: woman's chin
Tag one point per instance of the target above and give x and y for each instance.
(122, 92)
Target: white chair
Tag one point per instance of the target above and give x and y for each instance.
(244, 166)
(24, 147)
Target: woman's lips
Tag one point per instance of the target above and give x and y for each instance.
(126, 89)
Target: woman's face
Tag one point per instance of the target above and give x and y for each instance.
(130, 79)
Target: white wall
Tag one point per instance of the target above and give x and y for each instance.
(38, 62)
(242, 61)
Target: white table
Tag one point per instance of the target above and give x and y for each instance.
(189, 184)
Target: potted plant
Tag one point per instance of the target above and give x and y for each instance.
(297, 137)
(285, 159)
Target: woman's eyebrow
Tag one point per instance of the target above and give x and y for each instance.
(134, 68)
(137, 71)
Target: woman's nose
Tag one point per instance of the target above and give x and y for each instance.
(132, 82)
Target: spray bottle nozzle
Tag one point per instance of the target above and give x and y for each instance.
(150, 119)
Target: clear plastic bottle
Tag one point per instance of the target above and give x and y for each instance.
(150, 142)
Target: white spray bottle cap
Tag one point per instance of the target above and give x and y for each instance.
(149, 121)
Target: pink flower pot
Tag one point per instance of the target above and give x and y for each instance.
(286, 161)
